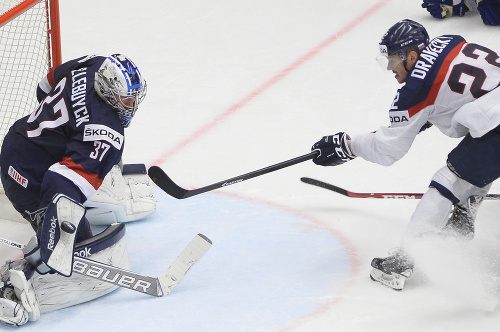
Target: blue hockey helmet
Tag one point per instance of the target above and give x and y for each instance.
(401, 37)
(120, 83)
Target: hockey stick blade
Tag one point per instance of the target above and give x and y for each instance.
(185, 261)
(162, 180)
(348, 193)
(166, 184)
(163, 285)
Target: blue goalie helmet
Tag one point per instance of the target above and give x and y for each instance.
(120, 83)
(401, 37)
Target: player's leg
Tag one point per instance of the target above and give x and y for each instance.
(27, 293)
(457, 189)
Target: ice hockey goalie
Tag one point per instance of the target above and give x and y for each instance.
(28, 288)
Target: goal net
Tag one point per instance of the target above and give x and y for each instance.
(29, 46)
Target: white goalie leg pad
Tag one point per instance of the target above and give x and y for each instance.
(56, 292)
(25, 292)
(12, 311)
(125, 195)
(18, 302)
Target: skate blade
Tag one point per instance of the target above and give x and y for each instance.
(393, 280)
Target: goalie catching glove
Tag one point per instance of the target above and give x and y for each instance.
(126, 194)
(334, 150)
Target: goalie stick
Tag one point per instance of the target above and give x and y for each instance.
(166, 184)
(348, 193)
(160, 286)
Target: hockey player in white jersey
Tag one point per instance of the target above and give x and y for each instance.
(454, 85)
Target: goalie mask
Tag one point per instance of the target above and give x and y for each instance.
(119, 82)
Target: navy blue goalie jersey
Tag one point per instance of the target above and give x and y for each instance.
(73, 138)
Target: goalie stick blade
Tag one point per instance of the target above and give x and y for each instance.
(163, 285)
(194, 251)
(117, 276)
(166, 184)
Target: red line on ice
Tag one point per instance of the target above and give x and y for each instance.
(278, 77)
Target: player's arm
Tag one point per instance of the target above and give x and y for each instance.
(388, 144)
(384, 146)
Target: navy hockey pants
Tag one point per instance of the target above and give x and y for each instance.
(477, 160)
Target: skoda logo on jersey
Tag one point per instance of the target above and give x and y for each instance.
(399, 118)
(95, 132)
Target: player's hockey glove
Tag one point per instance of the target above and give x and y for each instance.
(445, 8)
(333, 149)
(490, 11)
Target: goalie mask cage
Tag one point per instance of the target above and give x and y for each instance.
(30, 45)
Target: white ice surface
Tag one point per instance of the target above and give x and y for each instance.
(234, 86)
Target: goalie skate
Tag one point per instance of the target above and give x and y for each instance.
(392, 271)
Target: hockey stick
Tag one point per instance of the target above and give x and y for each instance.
(166, 184)
(160, 286)
(348, 193)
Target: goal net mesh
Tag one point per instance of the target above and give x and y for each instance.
(24, 60)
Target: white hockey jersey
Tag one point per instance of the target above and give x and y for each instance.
(453, 85)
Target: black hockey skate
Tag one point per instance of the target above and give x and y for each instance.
(392, 271)
(461, 222)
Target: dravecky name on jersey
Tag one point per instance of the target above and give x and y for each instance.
(428, 56)
(78, 94)
(96, 132)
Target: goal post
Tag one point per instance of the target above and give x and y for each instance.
(30, 44)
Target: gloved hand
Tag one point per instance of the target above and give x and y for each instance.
(333, 150)
(490, 11)
(445, 8)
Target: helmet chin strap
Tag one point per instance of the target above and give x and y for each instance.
(404, 64)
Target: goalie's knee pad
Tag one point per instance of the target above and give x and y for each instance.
(18, 301)
(12, 311)
(56, 292)
(126, 194)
